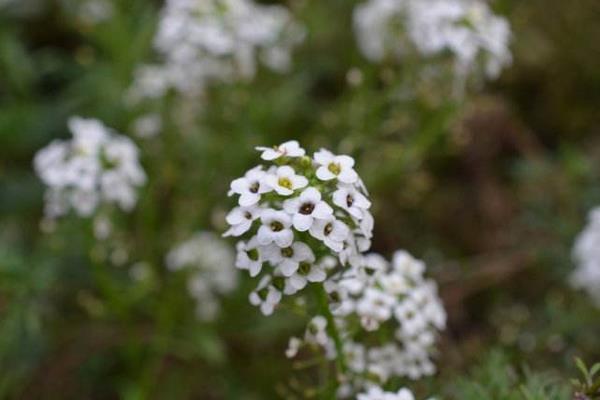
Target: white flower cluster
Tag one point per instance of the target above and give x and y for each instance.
(203, 41)
(381, 297)
(467, 28)
(96, 166)
(297, 213)
(209, 261)
(586, 254)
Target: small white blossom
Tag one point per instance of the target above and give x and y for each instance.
(275, 228)
(266, 296)
(351, 200)
(250, 187)
(288, 259)
(249, 256)
(241, 219)
(335, 167)
(285, 181)
(306, 207)
(332, 232)
(288, 149)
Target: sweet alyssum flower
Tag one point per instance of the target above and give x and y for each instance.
(586, 254)
(97, 166)
(206, 41)
(375, 300)
(291, 223)
(209, 262)
(466, 28)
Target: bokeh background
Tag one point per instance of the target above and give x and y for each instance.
(490, 189)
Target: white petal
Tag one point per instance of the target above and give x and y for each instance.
(299, 181)
(311, 194)
(291, 206)
(323, 156)
(322, 211)
(254, 268)
(302, 222)
(325, 174)
(284, 238)
(348, 176)
(297, 281)
(248, 199)
(288, 267)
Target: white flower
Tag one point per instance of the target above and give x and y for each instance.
(316, 332)
(250, 187)
(307, 272)
(306, 207)
(332, 167)
(288, 259)
(374, 308)
(586, 254)
(275, 228)
(293, 347)
(284, 181)
(250, 256)
(288, 149)
(332, 232)
(351, 200)
(209, 263)
(266, 296)
(241, 219)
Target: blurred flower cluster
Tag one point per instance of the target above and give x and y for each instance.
(206, 41)
(98, 166)
(467, 29)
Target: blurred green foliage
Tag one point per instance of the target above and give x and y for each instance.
(490, 190)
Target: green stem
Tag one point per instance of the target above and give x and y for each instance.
(340, 360)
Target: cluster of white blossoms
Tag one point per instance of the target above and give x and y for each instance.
(203, 41)
(586, 254)
(378, 296)
(466, 28)
(97, 166)
(210, 265)
(296, 213)
(307, 220)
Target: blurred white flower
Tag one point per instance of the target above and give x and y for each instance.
(98, 166)
(209, 261)
(586, 254)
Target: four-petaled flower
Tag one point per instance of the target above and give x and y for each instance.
(351, 200)
(241, 219)
(306, 207)
(288, 259)
(332, 232)
(332, 167)
(288, 149)
(275, 228)
(249, 256)
(250, 187)
(284, 181)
